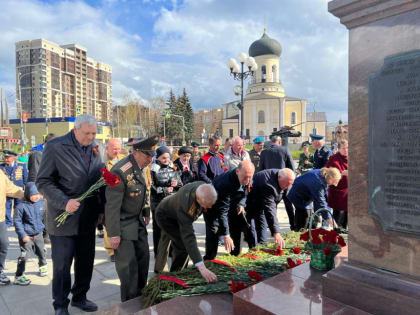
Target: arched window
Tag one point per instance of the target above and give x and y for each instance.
(273, 73)
(293, 118)
(263, 74)
(261, 117)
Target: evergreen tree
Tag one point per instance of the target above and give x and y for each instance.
(188, 115)
(173, 126)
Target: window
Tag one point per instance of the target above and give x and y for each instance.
(231, 133)
(293, 118)
(247, 133)
(273, 73)
(261, 117)
(314, 131)
(274, 129)
(263, 74)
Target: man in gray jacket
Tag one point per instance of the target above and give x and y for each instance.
(70, 165)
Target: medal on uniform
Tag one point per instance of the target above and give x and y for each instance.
(129, 177)
(132, 194)
(18, 173)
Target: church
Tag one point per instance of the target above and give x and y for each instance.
(267, 108)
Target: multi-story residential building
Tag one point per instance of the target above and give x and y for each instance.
(61, 80)
(208, 123)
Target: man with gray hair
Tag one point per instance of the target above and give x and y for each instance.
(268, 188)
(69, 166)
(236, 154)
(175, 215)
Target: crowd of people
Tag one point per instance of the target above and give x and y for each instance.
(237, 192)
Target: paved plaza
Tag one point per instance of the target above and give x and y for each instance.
(36, 298)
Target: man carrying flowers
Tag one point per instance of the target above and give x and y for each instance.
(70, 166)
(127, 213)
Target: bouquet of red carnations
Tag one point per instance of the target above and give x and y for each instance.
(107, 178)
(323, 245)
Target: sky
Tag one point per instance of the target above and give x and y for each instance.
(157, 45)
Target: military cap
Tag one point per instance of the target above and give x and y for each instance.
(132, 140)
(195, 144)
(147, 146)
(9, 153)
(183, 150)
(258, 140)
(316, 137)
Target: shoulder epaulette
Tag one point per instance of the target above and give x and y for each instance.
(126, 166)
(325, 149)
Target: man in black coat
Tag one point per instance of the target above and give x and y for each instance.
(35, 157)
(268, 188)
(227, 217)
(278, 156)
(70, 165)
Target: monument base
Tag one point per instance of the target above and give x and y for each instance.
(372, 290)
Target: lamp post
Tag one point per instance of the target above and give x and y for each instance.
(239, 74)
(22, 134)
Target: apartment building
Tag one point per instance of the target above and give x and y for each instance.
(61, 81)
(208, 123)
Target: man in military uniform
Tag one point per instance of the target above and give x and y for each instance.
(254, 154)
(196, 153)
(18, 174)
(306, 160)
(322, 152)
(127, 212)
(175, 215)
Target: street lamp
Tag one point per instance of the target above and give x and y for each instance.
(22, 134)
(239, 74)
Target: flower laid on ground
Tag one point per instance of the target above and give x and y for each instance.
(254, 257)
(237, 286)
(175, 280)
(220, 262)
(296, 250)
(255, 275)
(107, 178)
(277, 252)
(320, 236)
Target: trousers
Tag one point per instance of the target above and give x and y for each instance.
(34, 245)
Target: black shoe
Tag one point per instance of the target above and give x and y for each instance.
(112, 258)
(62, 311)
(85, 305)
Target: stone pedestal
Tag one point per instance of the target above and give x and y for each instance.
(383, 270)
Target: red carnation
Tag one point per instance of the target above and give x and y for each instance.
(175, 280)
(110, 179)
(254, 257)
(331, 237)
(185, 168)
(220, 262)
(305, 236)
(296, 250)
(327, 251)
(290, 263)
(341, 241)
(255, 275)
(298, 262)
(237, 286)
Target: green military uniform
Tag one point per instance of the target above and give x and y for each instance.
(255, 158)
(175, 215)
(125, 208)
(302, 167)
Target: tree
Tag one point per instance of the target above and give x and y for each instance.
(187, 112)
(172, 124)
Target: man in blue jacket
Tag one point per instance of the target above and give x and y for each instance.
(28, 223)
(18, 174)
(268, 188)
(227, 217)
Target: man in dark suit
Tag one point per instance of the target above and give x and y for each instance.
(278, 156)
(268, 188)
(70, 165)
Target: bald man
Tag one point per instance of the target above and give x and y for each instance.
(113, 155)
(268, 188)
(227, 217)
(236, 154)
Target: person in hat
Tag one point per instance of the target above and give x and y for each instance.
(127, 213)
(165, 181)
(18, 174)
(322, 152)
(306, 160)
(184, 164)
(255, 153)
(196, 155)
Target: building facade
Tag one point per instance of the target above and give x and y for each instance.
(61, 80)
(207, 123)
(267, 108)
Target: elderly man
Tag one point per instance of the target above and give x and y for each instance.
(236, 154)
(277, 156)
(211, 164)
(268, 188)
(127, 213)
(227, 218)
(175, 215)
(255, 153)
(7, 190)
(322, 152)
(68, 168)
(113, 155)
(18, 174)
